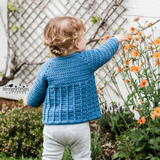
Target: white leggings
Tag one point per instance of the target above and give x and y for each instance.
(76, 136)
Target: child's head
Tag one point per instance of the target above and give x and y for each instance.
(61, 33)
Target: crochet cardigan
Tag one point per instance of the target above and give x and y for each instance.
(67, 86)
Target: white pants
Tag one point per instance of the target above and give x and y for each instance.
(76, 136)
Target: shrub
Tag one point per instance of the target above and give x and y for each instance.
(21, 131)
(115, 119)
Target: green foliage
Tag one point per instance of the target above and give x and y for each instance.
(67, 154)
(21, 131)
(119, 29)
(2, 73)
(13, 6)
(14, 27)
(95, 19)
(141, 78)
(49, 55)
(117, 120)
(95, 146)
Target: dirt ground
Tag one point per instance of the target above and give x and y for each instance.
(108, 145)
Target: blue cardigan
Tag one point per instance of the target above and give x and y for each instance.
(67, 86)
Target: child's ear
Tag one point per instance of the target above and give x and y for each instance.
(76, 43)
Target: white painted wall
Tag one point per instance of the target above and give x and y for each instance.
(3, 38)
(145, 9)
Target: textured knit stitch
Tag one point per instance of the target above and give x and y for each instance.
(67, 86)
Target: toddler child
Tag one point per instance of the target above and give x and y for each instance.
(66, 85)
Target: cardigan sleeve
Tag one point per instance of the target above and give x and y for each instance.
(36, 96)
(99, 56)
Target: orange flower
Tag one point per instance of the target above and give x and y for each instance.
(98, 91)
(149, 36)
(150, 47)
(157, 42)
(130, 45)
(142, 40)
(132, 68)
(132, 29)
(117, 53)
(136, 19)
(136, 69)
(157, 111)
(135, 53)
(127, 81)
(119, 69)
(139, 33)
(143, 83)
(156, 55)
(150, 43)
(150, 76)
(149, 24)
(131, 51)
(104, 39)
(126, 47)
(100, 69)
(127, 61)
(136, 38)
(156, 62)
(100, 88)
(136, 109)
(142, 120)
(129, 37)
(153, 116)
(142, 64)
(142, 102)
(113, 56)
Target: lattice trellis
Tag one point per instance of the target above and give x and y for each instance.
(33, 15)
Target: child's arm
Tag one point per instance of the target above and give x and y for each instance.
(36, 96)
(98, 57)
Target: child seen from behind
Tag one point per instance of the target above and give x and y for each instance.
(65, 84)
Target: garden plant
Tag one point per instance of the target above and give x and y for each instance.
(137, 62)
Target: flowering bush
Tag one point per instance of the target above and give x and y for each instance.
(137, 62)
(21, 132)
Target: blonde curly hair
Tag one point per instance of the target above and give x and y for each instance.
(60, 34)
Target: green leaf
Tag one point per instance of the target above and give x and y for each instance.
(150, 156)
(114, 156)
(13, 8)
(1, 75)
(9, 5)
(139, 149)
(120, 146)
(155, 158)
(14, 27)
(126, 113)
(123, 154)
(135, 133)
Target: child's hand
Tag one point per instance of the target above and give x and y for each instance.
(121, 37)
(25, 101)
